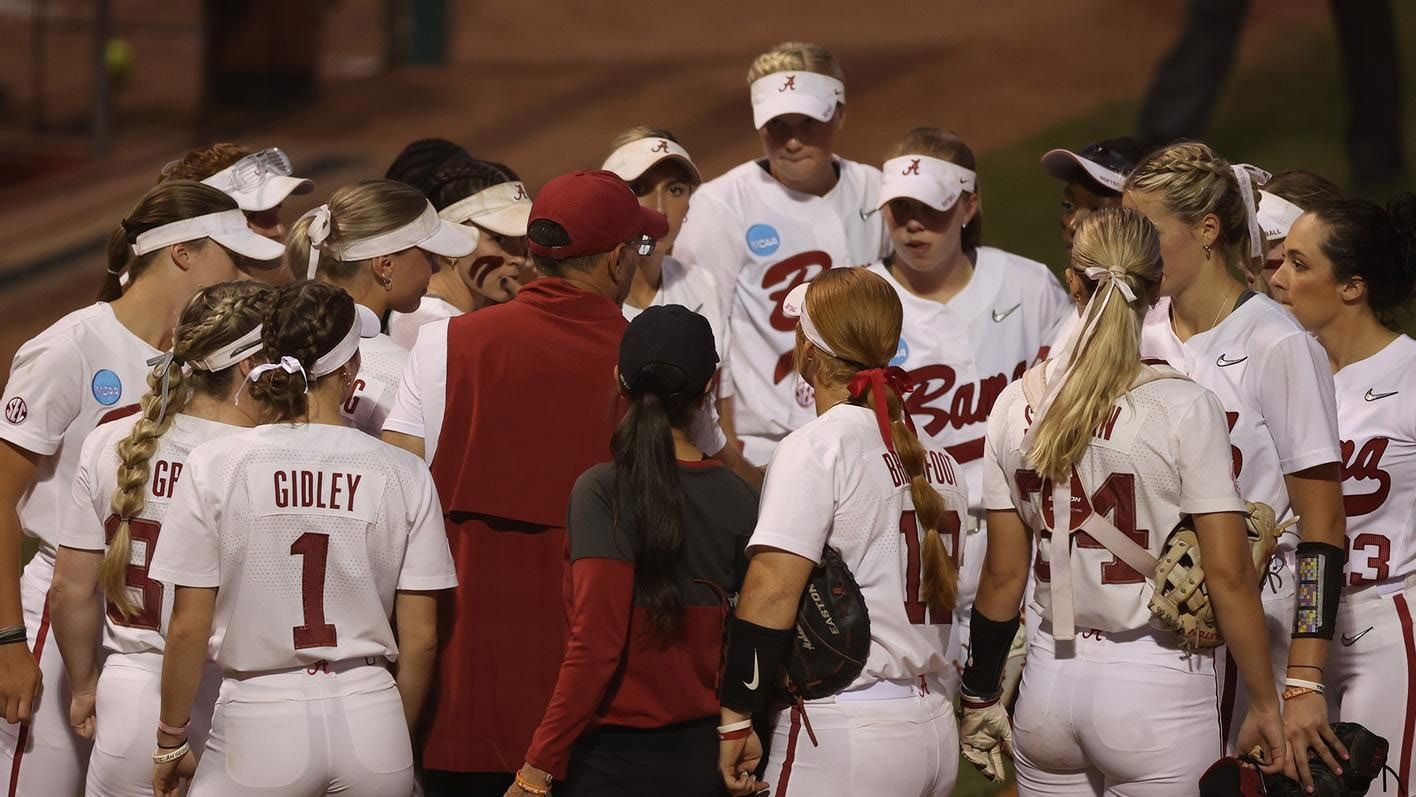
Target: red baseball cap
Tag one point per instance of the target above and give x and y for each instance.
(598, 212)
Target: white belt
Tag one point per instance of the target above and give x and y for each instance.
(886, 690)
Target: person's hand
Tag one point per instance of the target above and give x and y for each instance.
(531, 775)
(985, 735)
(1305, 723)
(82, 710)
(1263, 729)
(20, 680)
(167, 778)
(738, 759)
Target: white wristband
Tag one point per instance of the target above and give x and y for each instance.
(1302, 684)
(736, 726)
(166, 756)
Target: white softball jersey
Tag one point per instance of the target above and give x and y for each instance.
(63, 383)
(833, 482)
(89, 522)
(696, 289)
(759, 240)
(403, 327)
(307, 532)
(85, 368)
(420, 401)
(1376, 411)
(1160, 454)
(1276, 388)
(380, 369)
(963, 353)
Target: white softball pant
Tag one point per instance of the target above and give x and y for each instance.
(332, 729)
(1124, 716)
(899, 739)
(43, 757)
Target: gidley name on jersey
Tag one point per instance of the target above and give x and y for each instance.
(316, 491)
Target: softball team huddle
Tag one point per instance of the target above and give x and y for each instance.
(243, 551)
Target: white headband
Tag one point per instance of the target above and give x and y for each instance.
(1276, 215)
(933, 181)
(486, 202)
(638, 156)
(429, 232)
(235, 352)
(802, 92)
(794, 306)
(222, 222)
(1247, 175)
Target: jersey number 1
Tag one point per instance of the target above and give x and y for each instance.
(950, 525)
(313, 547)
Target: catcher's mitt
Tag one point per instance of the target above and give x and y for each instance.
(832, 635)
(1181, 601)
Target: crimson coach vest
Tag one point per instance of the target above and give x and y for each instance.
(530, 402)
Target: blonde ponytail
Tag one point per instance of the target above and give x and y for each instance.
(216, 316)
(1125, 244)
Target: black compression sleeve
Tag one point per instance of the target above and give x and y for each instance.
(752, 664)
(989, 641)
(1319, 587)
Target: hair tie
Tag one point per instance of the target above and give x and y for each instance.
(164, 362)
(318, 233)
(1115, 278)
(288, 364)
(1248, 174)
(878, 379)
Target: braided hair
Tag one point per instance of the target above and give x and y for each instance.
(215, 317)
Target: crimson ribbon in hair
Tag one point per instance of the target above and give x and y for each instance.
(876, 380)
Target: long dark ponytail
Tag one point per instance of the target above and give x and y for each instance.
(648, 496)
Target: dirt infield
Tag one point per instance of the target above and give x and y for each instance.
(545, 91)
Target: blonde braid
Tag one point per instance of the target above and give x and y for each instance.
(216, 316)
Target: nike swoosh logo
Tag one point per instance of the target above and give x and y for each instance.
(1224, 362)
(1349, 641)
(997, 316)
(1378, 396)
(752, 685)
(866, 214)
(699, 307)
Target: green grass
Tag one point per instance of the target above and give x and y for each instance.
(1280, 115)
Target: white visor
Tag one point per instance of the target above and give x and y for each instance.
(935, 182)
(232, 353)
(794, 306)
(1062, 164)
(428, 232)
(504, 209)
(1276, 215)
(265, 194)
(366, 325)
(639, 156)
(226, 227)
(805, 93)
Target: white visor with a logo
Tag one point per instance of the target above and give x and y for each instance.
(933, 181)
(794, 306)
(1063, 163)
(226, 227)
(806, 93)
(504, 209)
(639, 156)
(1276, 216)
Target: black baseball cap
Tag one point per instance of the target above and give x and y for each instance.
(1103, 164)
(668, 349)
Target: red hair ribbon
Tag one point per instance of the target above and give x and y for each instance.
(876, 380)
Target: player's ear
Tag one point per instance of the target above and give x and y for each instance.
(1208, 230)
(382, 268)
(181, 255)
(1353, 290)
(972, 205)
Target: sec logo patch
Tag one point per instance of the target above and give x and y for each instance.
(762, 239)
(107, 388)
(16, 411)
(902, 353)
